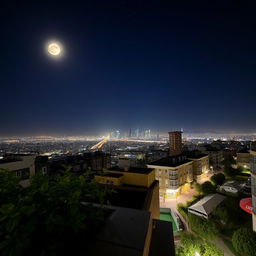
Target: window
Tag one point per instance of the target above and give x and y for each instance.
(23, 173)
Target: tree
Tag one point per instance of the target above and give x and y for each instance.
(208, 188)
(243, 241)
(231, 172)
(221, 214)
(191, 244)
(48, 217)
(218, 179)
(9, 187)
(204, 228)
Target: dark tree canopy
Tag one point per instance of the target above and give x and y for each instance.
(208, 188)
(244, 241)
(218, 179)
(48, 218)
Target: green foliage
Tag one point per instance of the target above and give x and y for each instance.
(218, 179)
(211, 250)
(191, 244)
(204, 228)
(231, 172)
(208, 188)
(198, 188)
(9, 186)
(182, 209)
(243, 241)
(48, 218)
(221, 214)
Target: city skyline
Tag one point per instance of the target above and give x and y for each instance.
(127, 64)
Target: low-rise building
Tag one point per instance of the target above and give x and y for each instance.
(215, 157)
(23, 165)
(200, 164)
(253, 184)
(206, 205)
(243, 159)
(138, 230)
(174, 174)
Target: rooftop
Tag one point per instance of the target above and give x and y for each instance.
(132, 170)
(245, 151)
(195, 154)
(207, 204)
(113, 175)
(171, 161)
(124, 233)
(5, 161)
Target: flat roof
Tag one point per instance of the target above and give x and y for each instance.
(171, 161)
(162, 241)
(124, 233)
(132, 170)
(114, 175)
(195, 154)
(244, 151)
(5, 161)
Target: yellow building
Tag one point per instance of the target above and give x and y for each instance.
(134, 187)
(174, 174)
(200, 164)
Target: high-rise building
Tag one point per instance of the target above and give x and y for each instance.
(175, 143)
(253, 184)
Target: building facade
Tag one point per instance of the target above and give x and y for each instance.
(200, 164)
(23, 165)
(174, 175)
(253, 185)
(175, 143)
(243, 159)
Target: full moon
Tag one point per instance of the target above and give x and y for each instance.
(54, 49)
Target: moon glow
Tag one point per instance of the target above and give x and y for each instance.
(54, 49)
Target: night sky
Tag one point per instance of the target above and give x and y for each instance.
(127, 64)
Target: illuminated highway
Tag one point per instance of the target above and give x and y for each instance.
(100, 144)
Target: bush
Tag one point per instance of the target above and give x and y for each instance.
(207, 188)
(191, 244)
(231, 172)
(243, 241)
(198, 188)
(218, 179)
(182, 209)
(204, 228)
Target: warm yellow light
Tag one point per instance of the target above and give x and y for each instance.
(54, 49)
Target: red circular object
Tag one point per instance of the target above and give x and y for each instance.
(246, 204)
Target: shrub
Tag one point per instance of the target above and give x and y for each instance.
(243, 241)
(191, 244)
(204, 228)
(218, 179)
(208, 188)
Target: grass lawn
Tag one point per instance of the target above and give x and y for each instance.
(168, 217)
